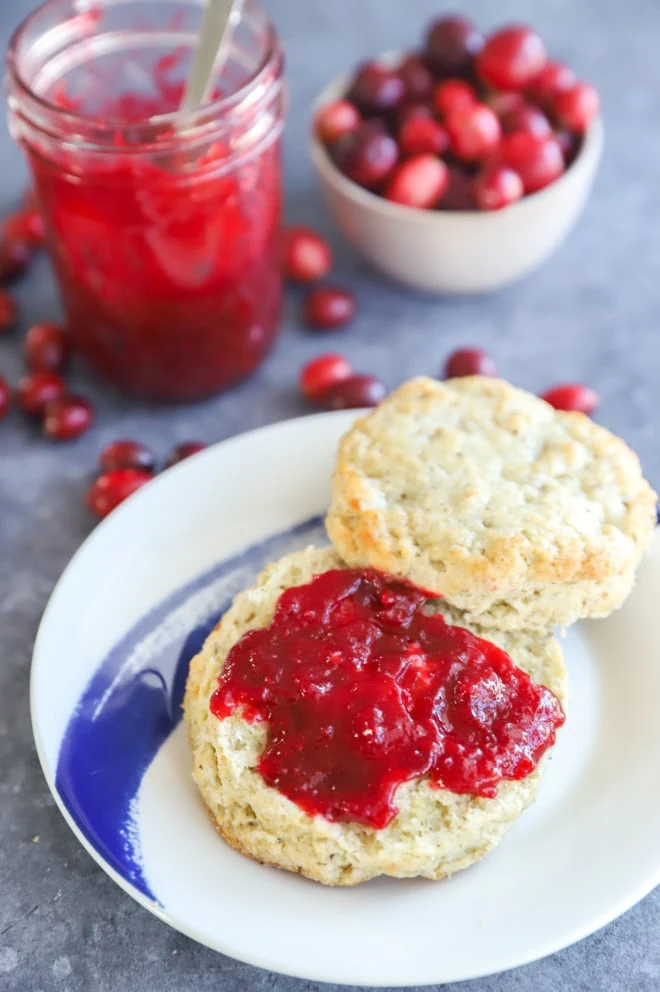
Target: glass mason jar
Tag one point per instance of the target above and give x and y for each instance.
(163, 225)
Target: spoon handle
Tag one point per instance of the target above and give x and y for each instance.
(214, 39)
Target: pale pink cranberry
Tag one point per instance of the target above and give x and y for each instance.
(37, 389)
(572, 396)
(470, 361)
(337, 119)
(416, 78)
(423, 135)
(126, 454)
(526, 118)
(553, 77)
(317, 376)
(5, 398)
(366, 156)
(46, 347)
(8, 312)
(186, 449)
(497, 187)
(354, 392)
(375, 89)
(67, 418)
(453, 94)
(575, 108)
(474, 132)
(538, 161)
(111, 489)
(307, 256)
(451, 45)
(511, 58)
(328, 307)
(419, 182)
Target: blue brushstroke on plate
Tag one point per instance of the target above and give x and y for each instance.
(113, 736)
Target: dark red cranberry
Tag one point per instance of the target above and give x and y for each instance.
(37, 389)
(307, 256)
(474, 132)
(575, 108)
(470, 361)
(354, 392)
(8, 312)
(15, 256)
(497, 187)
(367, 156)
(420, 181)
(553, 77)
(511, 58)
(526, 118)
(317, 376)
(412, 112)
(569, 144)
(126, 454)
(111, 489)
(5, 398)
(375, 89)
(460, 191)
(67, 418)
(538, 161)
(328, 307)
(416, 78)
(46, 347)
(453, 94)
(572, 396)
(337, 119)
(451, 45)
(25, 225)
(182, 451)
(423, 135)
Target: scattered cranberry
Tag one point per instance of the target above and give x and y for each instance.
(538, 161)
(451, 45)
(553, 77)
(511, 58)
(37, 389)
(15, 256)
(354, 392)
(5, 398)
(307, 256)
(577, 107)
(453, 94)
(526, 118)
(328, 307)
(7, 312)
(336, 120)
(111, 489)
(182, 451)
(474, 132)
(67, 418)
(572, 396)
(423, 135)
(470, 361)
(375, 89)
(46, 347)
(25, 225)
(419, 182)
(460, 192)
(367, 156)
(317, 376)
(497, 187)
(416, 78)
(126, 454)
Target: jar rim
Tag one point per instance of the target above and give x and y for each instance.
(180, 120)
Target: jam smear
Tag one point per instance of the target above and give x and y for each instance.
(363, 690)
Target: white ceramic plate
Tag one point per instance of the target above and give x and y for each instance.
(108, 670)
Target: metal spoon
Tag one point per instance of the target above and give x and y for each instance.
(219, 19)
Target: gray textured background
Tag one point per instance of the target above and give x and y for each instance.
(590, 314)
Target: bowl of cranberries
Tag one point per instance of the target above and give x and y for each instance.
(458, 168)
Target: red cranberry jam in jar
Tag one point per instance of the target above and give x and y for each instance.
(163, 224)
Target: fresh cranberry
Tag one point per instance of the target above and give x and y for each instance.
(497, 187)
(354, 392)
(423, 135)
(5, 398)
(7, 312)
(111, 489)
(337, 119)
(538, 161)
(307, 256)
(15, 256)
(504, 103)
(451, 45)
(366, 156)
(460, 192)
(126, 454)
(416, 78)
(180, 452)
(419, 182)
(470, 361)
(317, 376)
(411, 112)
(67, 418)
(569, 144)
(375, 89)
(577, 107)
(37, 389)
(328, 307)
(553, 77)
(453, 94)
(25, 225)
(474, 132)
(572, 396)
(526, 118)
(511, 58)
(46, 347)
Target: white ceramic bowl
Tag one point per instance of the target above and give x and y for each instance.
(462, 251)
